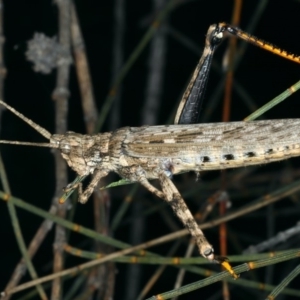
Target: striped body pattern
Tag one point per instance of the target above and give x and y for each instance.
(176, 149)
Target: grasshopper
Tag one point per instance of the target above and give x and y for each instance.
(140, 154)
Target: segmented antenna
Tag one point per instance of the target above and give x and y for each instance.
(47, 145)
(259, 42)
(35, 126)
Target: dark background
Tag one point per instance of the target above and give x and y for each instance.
(30, 170)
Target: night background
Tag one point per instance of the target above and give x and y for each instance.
(147, 94)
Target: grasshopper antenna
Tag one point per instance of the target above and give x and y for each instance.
(32, 124)
(35, 126)
(47, 145)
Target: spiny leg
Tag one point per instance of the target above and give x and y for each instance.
(183, 213)
(172, 196)
(83, 196)
(144, 181)
(70, 188)
(179, 207)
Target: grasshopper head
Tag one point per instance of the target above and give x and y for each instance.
(80, 151)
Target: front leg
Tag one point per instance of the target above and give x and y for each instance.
(172, 196)
(83, 196)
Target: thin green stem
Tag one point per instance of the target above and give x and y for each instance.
(288, 92)
(18, 232)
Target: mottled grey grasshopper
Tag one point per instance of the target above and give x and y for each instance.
(159, 152)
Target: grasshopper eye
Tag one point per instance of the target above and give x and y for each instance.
(65, 147)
